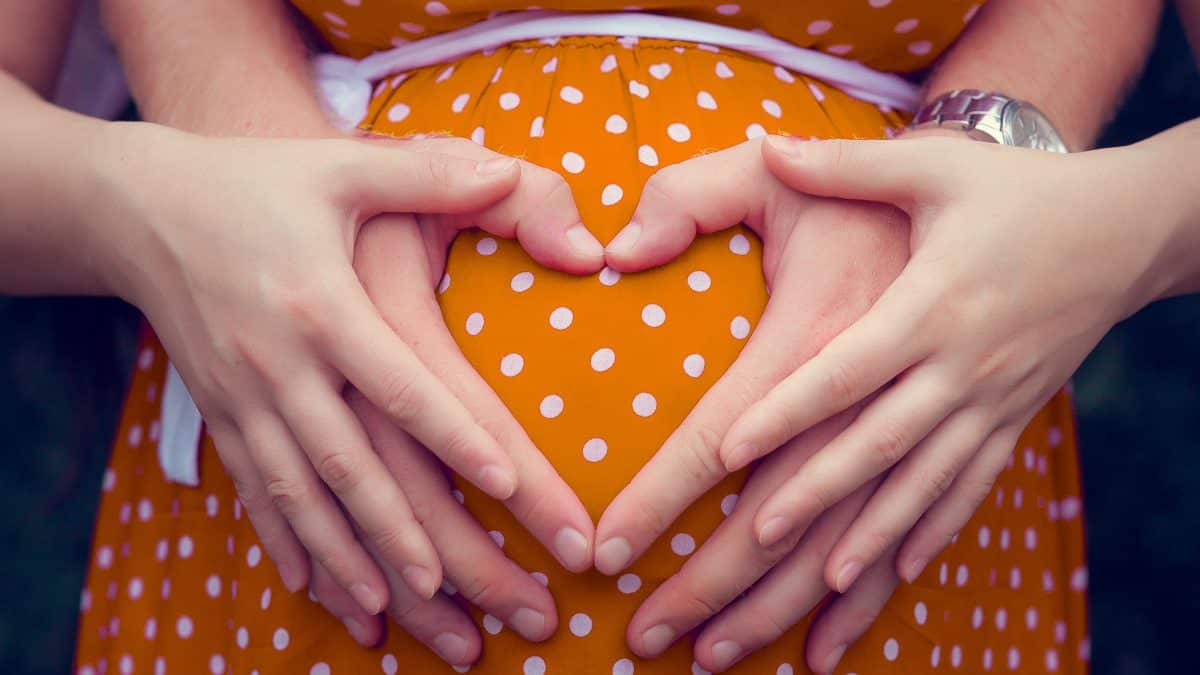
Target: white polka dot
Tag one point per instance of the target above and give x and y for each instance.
(492, 625)
(840, 50)
(398, 112)
(104, 557)
(216, 664)
(985, 536)
(212, 585)
(644, 404)
(458, 496)
(319, 669)
(509, 100)
(956, 656)
(679, 132)
(784, 75)
(739, 244)
(183, 627)
(647, 156)
(265, 601)
(534, 665)
(977, 617)
(1001, 619)
(754, 131)
(1079, 579)
(638, 89)
(512, 364)
(772, 108)
(608, 64)
(185, 547)
(891, 649)
(253, 555)
(629, 583)
(1014, 578)
(920, 613)
(819, 27)
(537, 128)
(611, 195)
(920, 47)
(683, 544)
(435, 8)
(572, 162)
(879, 3)
(125, 665)
(907, 25)
(723, 70)
(581, 624)
(551, 406)
(653, 315)
(817, 93)
(497, 537)
(486, 246)
(960, 577)
(739, 327)
(603, 359)
(478, 135)
(699, 281)
(595, 449)
(615, 124)
(622, 667)
(280, 639)
(608, 276)
(541, 578)
(785, 669)
(693, 365)
(474, 323)
(1031, 618)
(243, 637)
(660, 71)
(571, 95)
(110, 479)
(561, 318)
(521, 282)
(705, 100)
(728, 9)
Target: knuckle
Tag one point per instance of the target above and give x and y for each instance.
(436, 171)
(480, 588)
(287, 496)
(389, 542)
(843, 383)
(340, 471)
(401, 397)
(888, 443)
(935, 481)
(704, 456)
(691, 599)
(459, 441)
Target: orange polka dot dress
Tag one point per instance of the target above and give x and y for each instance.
(598, 369)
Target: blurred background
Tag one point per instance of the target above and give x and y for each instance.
(64, 364)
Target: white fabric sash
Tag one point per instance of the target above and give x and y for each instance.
(345, 83)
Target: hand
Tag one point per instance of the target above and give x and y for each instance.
(240, 255)
(988, 319)
(825, 263)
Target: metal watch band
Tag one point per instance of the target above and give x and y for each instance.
(962, 107)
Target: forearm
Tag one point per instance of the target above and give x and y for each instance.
(48, 168)
(32, 37)
(217, 67)
(1073, 59)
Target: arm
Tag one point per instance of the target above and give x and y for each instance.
(218, 67)
(1074, 60)
(32, 38)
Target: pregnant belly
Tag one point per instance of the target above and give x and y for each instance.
(601, 369)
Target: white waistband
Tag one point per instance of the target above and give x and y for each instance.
(345, 83)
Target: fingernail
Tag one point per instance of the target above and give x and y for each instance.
(623, 243)
(613, 555)
(496, 166)
(656, 640)
(773, 530)
(358, 632)
(452, 647)
(583, 243)
(914, 569)
(833, 659)
(420, 580)
(847, 575)
(725, 653)
(572, 548)
(497, 482)
(787, 145)
(531, 624)
(366, 598)
(740, 456)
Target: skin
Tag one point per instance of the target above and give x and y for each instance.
(729, 428)
(201, 85)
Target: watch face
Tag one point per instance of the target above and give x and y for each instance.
(1027, 127)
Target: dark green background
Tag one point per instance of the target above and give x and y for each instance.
(63, 367)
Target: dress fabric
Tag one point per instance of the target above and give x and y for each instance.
(599, 370)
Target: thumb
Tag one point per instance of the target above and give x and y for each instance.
(389, 179)
(899, 172)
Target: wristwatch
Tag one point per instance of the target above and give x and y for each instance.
(988, 116)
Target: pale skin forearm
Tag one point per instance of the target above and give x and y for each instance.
(218, 67)
(1073, 59)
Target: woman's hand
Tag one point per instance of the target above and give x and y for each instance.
(239, 252)
(825, 262)
(1019, 266)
